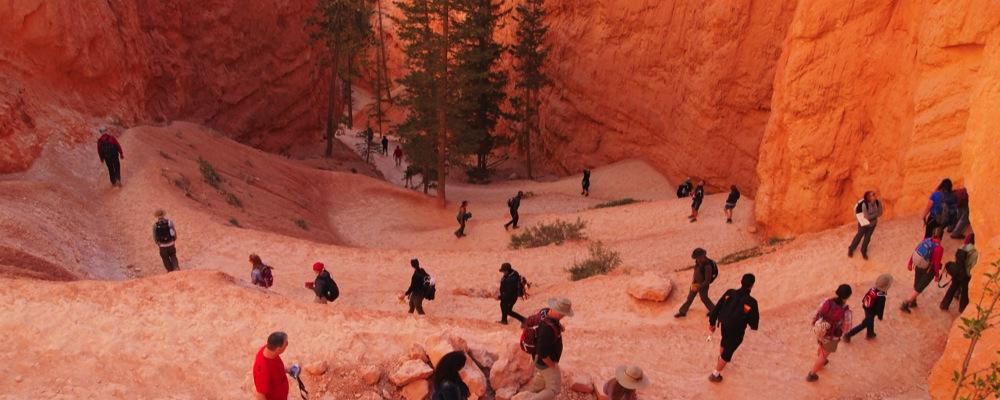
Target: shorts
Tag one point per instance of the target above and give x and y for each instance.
(830, 345)
(696, 204)
(730, 342)
(730, 206)
(922, 278)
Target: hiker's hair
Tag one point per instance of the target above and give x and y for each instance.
(733, 187)
(506, 266)
(699, 252)
(843, 292)
(276, 340)
(520, 193)
(447, 368)
(465, 203)
(159, 213)
(938, 232)
(869, 194)
(415, 263)
(945, 185)
(748, 280)
(254, 258)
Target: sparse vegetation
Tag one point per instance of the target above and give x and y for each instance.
(529, 194)
(184, 184)
(232, 199)
(234, 222)
(544, 234)
(619, 202)
(208, 173)
(301, 223)
(772, 243)
(601, 261)
(984, 383)
(774, 240)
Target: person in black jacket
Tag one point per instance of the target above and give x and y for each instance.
(696, 198)
(325, 288)
(586, 182)
(446, 382)
(547, 381)
(463, 216)
(510, 290)
(734, 196)
(874, 305)
(735, 311)
(416, 290)
(513, 204)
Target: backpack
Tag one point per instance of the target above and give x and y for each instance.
(869, 298)
(714, 270)
(107, 149)
(922, 254)
(735, 310)
(522, 287)
(332, 292)
(430, 288)
(835, 317)
(162, 231)
(266, 278)
(944, 216)
(529, 334)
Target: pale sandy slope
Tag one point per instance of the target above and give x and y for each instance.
(193, 334)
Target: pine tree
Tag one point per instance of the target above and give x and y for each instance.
(529, 52)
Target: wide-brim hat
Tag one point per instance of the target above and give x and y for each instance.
(631, 377)
(562, 305)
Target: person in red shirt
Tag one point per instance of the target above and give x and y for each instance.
(925, 269)
(269, 371)
(110, 153)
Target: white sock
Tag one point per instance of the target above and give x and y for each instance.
(716, 373)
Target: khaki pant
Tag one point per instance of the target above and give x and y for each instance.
(545, 385)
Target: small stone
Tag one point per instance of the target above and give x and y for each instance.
(417, 390)
(417, 353)
(370, 375)
(650, 287)
(18, 378)
(752, 229)
(484, 358)
(317, 368)
(410, 371)
(582, 384)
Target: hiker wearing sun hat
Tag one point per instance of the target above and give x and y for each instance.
(874, 305)
(628, 379)
(547, 349)
(325, 288)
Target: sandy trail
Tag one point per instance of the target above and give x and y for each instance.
(193, 334)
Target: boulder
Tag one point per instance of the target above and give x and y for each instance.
(582, 384)
(317, 368)
(410, 371)
(370, 375)
(484, 358)
(417, 390)
(443, 343)
(512, 370)
(505, 394)
(417, 353)
(475, 379)
(650, 287)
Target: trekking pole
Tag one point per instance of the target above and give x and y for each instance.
(302, 389)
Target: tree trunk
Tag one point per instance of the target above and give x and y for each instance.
(526, 126)
(332, 106)
(442, 175)
(383, 58)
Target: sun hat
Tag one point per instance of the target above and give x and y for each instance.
(318, 266)
(631, 377)
(883, 282)
(562, 305)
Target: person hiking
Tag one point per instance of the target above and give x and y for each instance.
(966, 258)
(735, 311)
(385, 145)
(323, 286)
(446, 382)
(925, 262)
(696, 198)
(586, 182)
(165, 236)
(270, 382)
(415, 292)
(510, 289)
(513, 204)
(463, 216)
(961, 220)
(628, 379)
(829, 324)
(705, 271)
(397, 155)
(734, 196)
(936, 213)
(684, 190)
(548, 346)
(874, 305)
(867, 210)
(260, 273)
(110, 153)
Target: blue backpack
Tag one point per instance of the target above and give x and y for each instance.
(926, 248)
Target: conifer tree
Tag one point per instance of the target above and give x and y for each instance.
(529, 52)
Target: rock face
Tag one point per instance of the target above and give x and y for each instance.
(650, 287)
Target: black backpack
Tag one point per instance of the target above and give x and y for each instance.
(331, 292)
(714, 270)
(430, 288)
(162, 231)
(732, 312)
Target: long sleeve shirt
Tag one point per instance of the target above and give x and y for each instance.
(416, 282)
(110, 139)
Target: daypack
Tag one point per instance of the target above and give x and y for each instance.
(529, 334)
(947, 202)
(522, 287)
(107, 149)
(922, 254)
(332, 292)
(714, 270)
(962, 197)
(682, 191)
(835, 316)
(430, 288)
(264, 277)
(162, 232)
(869, 298)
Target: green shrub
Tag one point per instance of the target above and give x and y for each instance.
(544, 234)
(301, 223)
(601, 261)
(619, 202)
(211, 177)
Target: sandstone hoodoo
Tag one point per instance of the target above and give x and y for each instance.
(833, 119)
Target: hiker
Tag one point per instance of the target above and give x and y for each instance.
(961, 220)
(415, 293)
(446, 383)
(463, 216)
(511, 288)
(260, 273)
(936, 213)
(966, 257)
(628, 379)
(925, 262)
(874, 305)
(323, 286)
(684, 190)
(398, 155)
(735, 311)
(269, 371)
(513, 204)
(110, 153)
(547, 348)
(734, 196)
(705, 271)
(699, 195)
(586, 182)
(165, 236)
(867, 210)
(829, 324)
(385, 145)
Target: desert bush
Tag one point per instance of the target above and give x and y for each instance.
(741, 255)
(619, 202)
(601, 261)
(545, 234)
(208, 173)
(232, 199)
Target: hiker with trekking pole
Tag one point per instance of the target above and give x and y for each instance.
(269, 373)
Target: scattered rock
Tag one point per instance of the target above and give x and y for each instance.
(443, 343)
(650, 287)
(417, 390)
(475, 379)
(582, 384)
(752, 229)
(410, 371)
(484, 358)
(512, 370)
(317, 368)
(370, 375)
(522, 396)
(417, 353)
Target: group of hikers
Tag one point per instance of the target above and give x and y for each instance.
(697, 194)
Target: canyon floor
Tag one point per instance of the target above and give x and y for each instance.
(88, 311)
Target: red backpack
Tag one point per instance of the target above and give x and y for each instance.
(529, 334)
(869, 298)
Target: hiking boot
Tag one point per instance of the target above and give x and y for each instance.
(714, 378)
(812, 377)
(850, 253)
(694, 219)
(847, 339)
(502, 322)
(865, 256)
(913, 304)
(680, 315)
(905, 307)
(729, 220)
(870, 336)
